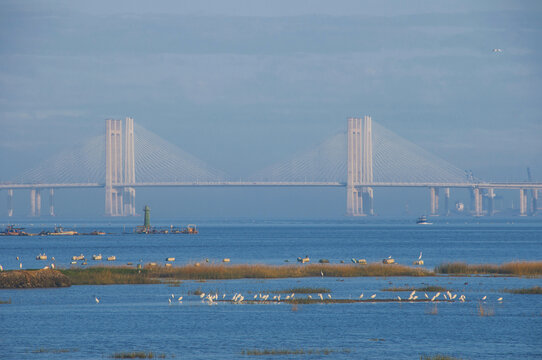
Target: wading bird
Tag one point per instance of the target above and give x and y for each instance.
(361, 296)
(485, 297)
(499, 299)
(373, 296)
(96, 299)
(321, 273)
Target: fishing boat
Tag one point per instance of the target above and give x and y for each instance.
(111, 258)
(97, 257)
(422, 220)
(78, 257)
(60, 231)
(13, 231)
(41, 257)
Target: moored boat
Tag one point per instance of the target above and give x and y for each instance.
(60, 231)
(41, 257)
(97, 257)
(422, 220)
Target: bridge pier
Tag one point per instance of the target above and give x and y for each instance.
(51, 202)
(477, 197)
(434, 200)
(10, 202)
(522, 202)
(367, 195)
(447, 201)
(534, 202)
(35, 202)
(490, 202)
(113, 167)
(359, 166)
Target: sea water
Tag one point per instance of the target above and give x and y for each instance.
(67, 323)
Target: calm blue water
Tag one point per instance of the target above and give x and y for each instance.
(139, 318)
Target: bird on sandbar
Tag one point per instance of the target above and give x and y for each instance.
(320, 296)
(398, 297)
(361, 296)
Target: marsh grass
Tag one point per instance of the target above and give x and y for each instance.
(265, 352)
(431, 288)
(109, 275)
(246, 271)
(533, 290)
(106, 275)
(517, 268)
(138, 355)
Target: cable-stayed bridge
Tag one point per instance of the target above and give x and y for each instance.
(365, 157)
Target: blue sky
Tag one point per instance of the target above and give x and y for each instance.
(244, 84)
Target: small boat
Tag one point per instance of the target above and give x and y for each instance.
(97, 257)
(306, 259)
(111, 258)
(41, 257)
(78, 257)
(226, 260)
(170, 259)
(97, 232)
(60, 231)
(13, 231)
(422, 220)
(359, 261)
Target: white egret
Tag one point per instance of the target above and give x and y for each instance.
(180, 298)
(96, 299)
(485, 297)
(499, 299)
(398, 297)
(420, 257)
(426, 296)
(373, 296)
(361, 296)
(20, 265)
(322, 273)
(329, 296)
(1, 268)
(320, 296)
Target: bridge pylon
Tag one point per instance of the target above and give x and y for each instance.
(359, 200)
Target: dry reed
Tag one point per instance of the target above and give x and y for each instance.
(519, 268)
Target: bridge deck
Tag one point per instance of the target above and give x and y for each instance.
(484, 185)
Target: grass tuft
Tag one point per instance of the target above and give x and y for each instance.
(533, 290)
(264, 352)
(518, 268)
(138, 355)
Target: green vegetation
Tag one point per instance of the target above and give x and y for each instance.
(138, 355)
(8, 301)
(256, 352)
(517, 268)
(244, 271)
(106, 275)
(16, 279)
(438, 357)
(532, 290)
(431, 288)
(109, 275)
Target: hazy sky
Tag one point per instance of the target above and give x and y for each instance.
(244, 84)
